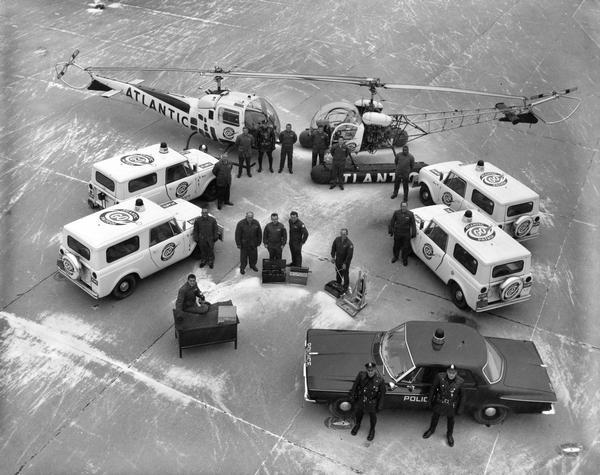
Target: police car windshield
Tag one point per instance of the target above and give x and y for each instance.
(394, 352)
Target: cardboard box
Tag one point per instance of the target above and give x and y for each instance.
(226, 313)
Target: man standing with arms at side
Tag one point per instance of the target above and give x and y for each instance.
(266, 145)
(339, 153)
(287, 138)
(319, 145)
(367, 393)
(274, 237)
(444, 398)
(248, 236)
(298, 236)
(403, 228)
(222, 172)
(342, 251)
(206, 233)
(405, 162)
(245, 143)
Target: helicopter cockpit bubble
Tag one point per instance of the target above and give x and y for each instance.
(336, 113)
(258, 111)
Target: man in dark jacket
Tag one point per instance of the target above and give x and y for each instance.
(320, 143)
(339, 153)
(206, 233)
(298, 236)
(266, 145)
(405, 162)
(186, 297)
(248, 236)
(274, 237)
(403, 228)
(367, 394)
(244, 142)
(342, 251)
(444, 398)
(222, 172)
(287, 138)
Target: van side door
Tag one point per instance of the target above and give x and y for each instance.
(181, 182)
(431, 245)
(453, 191)
(168, 244)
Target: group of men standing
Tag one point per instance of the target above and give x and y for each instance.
(264, 142)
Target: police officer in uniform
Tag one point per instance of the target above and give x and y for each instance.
(403, 228)
(342, 251)
(248, 236)
(405, 162)
(274, 237)
(367, 394)
(244, 142)
(222, 172)
(298, 236)
(444, 398)
(187, 295)
(266, 145)
(320, 143)
(206, 233)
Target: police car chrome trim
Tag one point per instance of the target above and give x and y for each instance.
(512, 398)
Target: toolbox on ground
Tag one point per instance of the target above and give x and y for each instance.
(298, 275)
(273, 271)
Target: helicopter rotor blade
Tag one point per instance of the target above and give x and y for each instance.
(412, 87)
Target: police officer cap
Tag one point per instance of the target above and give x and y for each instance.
(451, 369)
(370, 365)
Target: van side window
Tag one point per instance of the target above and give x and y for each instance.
(521, 208)
(142, 182)
(105, 181)
(122, 249)
(456, 184)
(437, 235)
(161, 233)
(229, 116)
(508, 268)
(483, 202)
(465, 259)
(178, 172)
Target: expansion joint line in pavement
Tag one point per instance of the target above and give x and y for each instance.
(28, 290)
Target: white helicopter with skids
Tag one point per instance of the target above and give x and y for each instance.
(221, 114)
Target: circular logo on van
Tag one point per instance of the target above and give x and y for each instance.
(69, 268)
(479, 231)
(182, 189)
(137, 159)
(119, 217)
(228, 133)
(428, 251)
(168, 251)
(493, 179)
(447, 198)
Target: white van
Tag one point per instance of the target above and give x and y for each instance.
(483, 267)
(111, 250)
(155, 172)
(483, 186)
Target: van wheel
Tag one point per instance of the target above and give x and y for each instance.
(210, 194)
(490, 415)
(342, 407)
(425, 195)
(458, 296)
(124, 287)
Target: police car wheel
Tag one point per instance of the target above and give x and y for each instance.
(425, 195)
(458, 296)
(341, 407)
(124, 287)
(490, 415)
(210, 194)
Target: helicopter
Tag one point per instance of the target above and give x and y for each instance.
(221, 114)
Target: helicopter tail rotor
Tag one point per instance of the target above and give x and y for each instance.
(62, 68)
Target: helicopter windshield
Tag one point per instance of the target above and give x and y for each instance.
(260, 110)
(336, 113)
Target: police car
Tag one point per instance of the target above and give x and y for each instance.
(482, 186)
(109, 251)
(157, 172)
(483, 267)
(501, 376)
